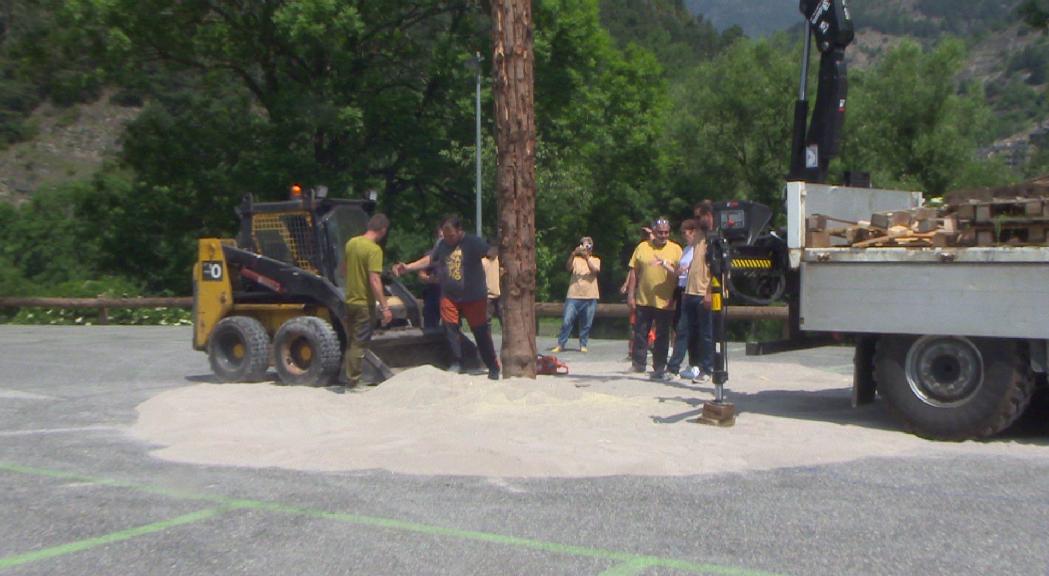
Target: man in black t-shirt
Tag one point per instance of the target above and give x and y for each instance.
(464, 291)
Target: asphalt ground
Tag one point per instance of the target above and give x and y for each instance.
(79, 495)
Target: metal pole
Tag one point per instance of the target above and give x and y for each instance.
(478, 150)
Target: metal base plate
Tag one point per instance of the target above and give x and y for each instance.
(718, 414)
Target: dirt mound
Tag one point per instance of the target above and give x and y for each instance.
(426, 421)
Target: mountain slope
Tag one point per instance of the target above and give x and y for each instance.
(755, 17)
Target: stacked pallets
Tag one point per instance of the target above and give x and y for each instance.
(1013, 216)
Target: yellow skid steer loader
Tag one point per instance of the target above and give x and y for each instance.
(273, 296)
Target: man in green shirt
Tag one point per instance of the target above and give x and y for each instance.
(363, 265)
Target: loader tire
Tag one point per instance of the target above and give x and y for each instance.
(953, 387)
(306, 352)
(238, 350)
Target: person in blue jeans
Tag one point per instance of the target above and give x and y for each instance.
(697, 300)
(583, 292)
(684, 338)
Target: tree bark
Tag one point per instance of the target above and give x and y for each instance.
(512, 68)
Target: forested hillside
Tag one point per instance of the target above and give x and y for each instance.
(755, 17)
(642, 108)
(1003, 56)
(933, 19)
(918, 18)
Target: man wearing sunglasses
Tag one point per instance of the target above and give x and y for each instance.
(654, 264)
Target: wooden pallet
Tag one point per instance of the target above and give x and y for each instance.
(1009, 221)
(1014, 216)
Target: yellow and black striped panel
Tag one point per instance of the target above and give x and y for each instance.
(752, 263)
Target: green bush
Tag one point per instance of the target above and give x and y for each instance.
(90, 316)
(107, 287)
(17, 100)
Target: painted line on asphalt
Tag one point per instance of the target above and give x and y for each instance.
(624, 560)
(36, 431)
(631, 568)
(11, 394)
(87, 544)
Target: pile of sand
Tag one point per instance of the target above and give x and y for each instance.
(426, 421)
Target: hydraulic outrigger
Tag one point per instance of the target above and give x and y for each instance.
(829, 26)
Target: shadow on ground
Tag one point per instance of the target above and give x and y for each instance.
(834, 405)
(831, 405)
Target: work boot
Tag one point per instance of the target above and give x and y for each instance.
(583, 349)
(555, 349)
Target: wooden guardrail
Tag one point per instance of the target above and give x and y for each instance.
(102, 304)
(542, 309)
(613, 310)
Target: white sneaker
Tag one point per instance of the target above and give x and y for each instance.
(701, 379)
(690, 373)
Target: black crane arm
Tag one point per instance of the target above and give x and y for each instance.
(830, 24)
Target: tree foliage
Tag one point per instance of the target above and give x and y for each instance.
(731, 130)
(1035, 13)
(249, 97)
(641, 110)
(911, 126)
(678, 38)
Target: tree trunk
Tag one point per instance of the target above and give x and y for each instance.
(515, 140)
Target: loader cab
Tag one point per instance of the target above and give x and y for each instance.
(305, 232)
(337, 227)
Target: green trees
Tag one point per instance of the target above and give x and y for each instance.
(349, 94)
(250, 97)
(1035, 13)
(731, 130)
(679, 39)
(911, 127)
(600, 168)
(641, 109)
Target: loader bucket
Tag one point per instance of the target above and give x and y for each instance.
(399, 348)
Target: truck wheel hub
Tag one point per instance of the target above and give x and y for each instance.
(944, 371)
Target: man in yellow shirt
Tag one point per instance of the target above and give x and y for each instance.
(363, 266)
(583, 293)
(651, 295)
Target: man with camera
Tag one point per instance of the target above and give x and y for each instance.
(583, 292)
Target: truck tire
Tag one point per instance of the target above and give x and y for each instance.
(952, 387)
(306, 352)
(238, 350)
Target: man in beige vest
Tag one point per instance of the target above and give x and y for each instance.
(492, 273)
(698, 299)
(583, 292)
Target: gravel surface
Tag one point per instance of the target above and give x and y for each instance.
(82, 494)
